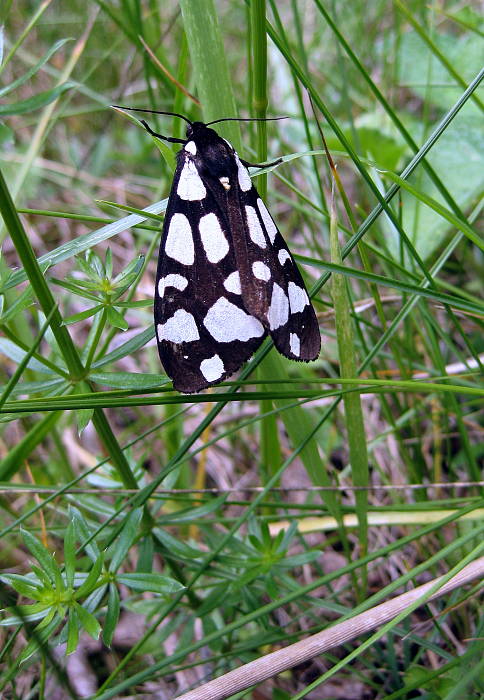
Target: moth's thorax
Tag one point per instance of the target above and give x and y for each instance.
(211, 153)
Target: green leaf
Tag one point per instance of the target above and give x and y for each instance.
(32, 71)
(17, 306)
(78, 287)
(193, 514)
(108, 263)
(298, 560)
(176, 547)
(43, 556)
(84, 533)
(119, 549)
(145, 555)
(82, 315)
(17, 354)
(36, 102)
(48, 387)
(26, 613)
(83, 418)
(128, 348)
(155, 583)
(129, 380)
(112, 615)
(116, 319)
(92, 579)
(72, 631)
(70, 554)
(140, 304)
(22, 585)
(128, 276)
(43, 633)
(88, 621)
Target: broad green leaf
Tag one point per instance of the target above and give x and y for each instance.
(416, 61)
(458, 158)
(441, 210)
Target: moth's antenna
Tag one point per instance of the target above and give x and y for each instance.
(248, 119)
(153, 111)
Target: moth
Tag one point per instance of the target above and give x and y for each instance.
(225, 277)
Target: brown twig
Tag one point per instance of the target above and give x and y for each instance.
(276, 662)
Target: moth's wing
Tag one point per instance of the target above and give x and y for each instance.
(272, 287)
(203, 330)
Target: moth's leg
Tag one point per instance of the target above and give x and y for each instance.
(260, 165)
(171, 139)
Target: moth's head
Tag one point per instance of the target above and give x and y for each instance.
(199, 131)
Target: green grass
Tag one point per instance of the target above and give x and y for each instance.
(120, 497)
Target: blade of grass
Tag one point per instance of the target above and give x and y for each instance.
(437, 207)
(209, 65)
(358, 456)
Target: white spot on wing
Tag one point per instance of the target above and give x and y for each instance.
(190, 186)
(261, 271)
(179, 240)
(298, 298)
(225, 182)
(213, 239)
(191, 148)
(255, 229)
(294, 344)
(245, 182)
(267, 219)
(179, 328)
(212, 368)
(226, 322)
(279, 309)
(283, 255)
(232, 283)
(177, 281)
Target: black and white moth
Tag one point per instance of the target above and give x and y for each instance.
(225, 278)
